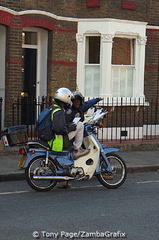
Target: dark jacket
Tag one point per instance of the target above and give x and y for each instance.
(74, 112)
(60, 127)
(59, 124)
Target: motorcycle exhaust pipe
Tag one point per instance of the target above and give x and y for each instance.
(65, 178)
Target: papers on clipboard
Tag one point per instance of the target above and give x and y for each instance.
(95, 116)
(76, 120)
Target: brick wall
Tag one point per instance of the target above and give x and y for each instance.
(61, 60)
(152, 64)
(144, 10)
(62, 57)
(13, 66)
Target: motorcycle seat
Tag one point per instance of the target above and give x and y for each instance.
(44, 145)
(38, 144)
(62, 153)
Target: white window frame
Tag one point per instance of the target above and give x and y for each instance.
(108, 29)
(126, 70)
(95, 72)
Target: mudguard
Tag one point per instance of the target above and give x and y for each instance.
(31, 156)
(110, 150)
(60, 157)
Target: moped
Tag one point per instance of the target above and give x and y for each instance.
(45, 168)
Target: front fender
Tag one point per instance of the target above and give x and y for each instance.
(110, 150)
(31, 156)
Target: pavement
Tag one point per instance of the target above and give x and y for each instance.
(136, 161)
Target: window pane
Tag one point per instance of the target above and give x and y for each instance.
(92, 81)
(123, 51)
(122, 81)
(29, 38)
(93, 49)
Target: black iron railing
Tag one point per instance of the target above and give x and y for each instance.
(127, 119)
(130, 119)
(26, 112)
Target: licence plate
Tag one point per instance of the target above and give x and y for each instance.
(22, 161)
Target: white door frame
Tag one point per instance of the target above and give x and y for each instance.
(42, 52)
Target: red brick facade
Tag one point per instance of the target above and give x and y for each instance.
(62, 45)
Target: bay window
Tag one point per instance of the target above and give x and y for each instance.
(111, 58)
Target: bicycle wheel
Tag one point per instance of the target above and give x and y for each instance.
(115, 178)
(37, 167)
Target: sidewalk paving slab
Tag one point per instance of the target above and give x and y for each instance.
(136, 161)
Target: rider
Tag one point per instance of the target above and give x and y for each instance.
(79, 106)
(63, 129)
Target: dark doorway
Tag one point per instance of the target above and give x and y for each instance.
(29, 86)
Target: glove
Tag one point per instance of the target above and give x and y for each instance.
(72, 127)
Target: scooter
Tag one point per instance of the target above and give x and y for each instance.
(45, 168)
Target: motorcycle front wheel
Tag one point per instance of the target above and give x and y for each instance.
(115, 178)
(37, 167)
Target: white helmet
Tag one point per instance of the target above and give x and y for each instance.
(64, 95)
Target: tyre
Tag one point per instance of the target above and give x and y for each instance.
(37, 167)
(115, 178)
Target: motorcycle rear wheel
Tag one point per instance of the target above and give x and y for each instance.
(37, 167)
(115, 178)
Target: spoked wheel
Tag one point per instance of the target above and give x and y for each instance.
(37, 168)
(117, 177)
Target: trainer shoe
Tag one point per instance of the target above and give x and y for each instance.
(63, 184)
(80, 152)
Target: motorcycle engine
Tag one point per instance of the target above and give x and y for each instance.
(76, 171)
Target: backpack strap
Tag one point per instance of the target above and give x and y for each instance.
(57, 143)
(54, 111)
